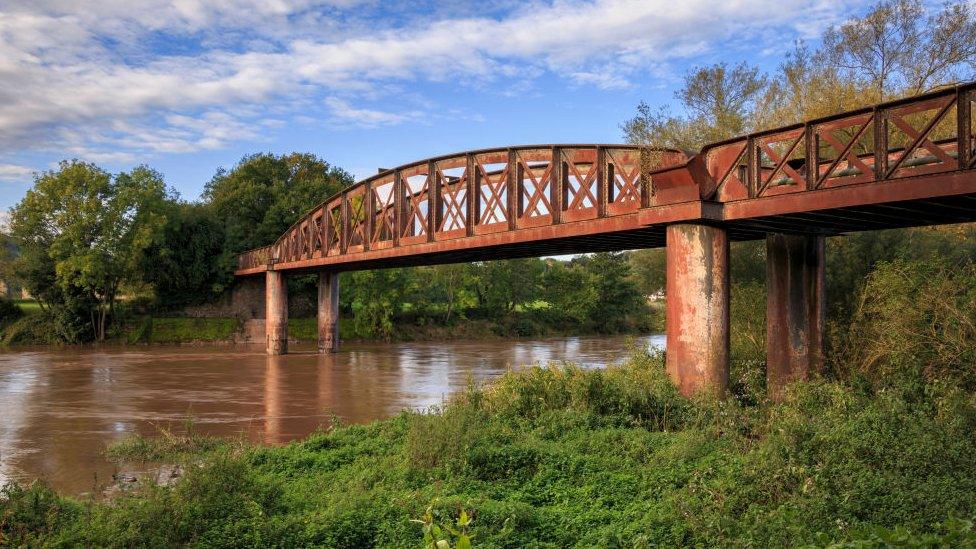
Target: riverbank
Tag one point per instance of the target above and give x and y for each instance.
(34, 328)
(559, 457)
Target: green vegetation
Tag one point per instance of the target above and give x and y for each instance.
(876, 453)
(178, 330)
(562, 456)
(898, 49)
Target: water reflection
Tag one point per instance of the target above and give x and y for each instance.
(59, 409)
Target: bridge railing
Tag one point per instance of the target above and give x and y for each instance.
(252, 259)
(473, 193)
(927, 134)
(491, 190)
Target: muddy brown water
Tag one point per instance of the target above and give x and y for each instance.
(60, 408)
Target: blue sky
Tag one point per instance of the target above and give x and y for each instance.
(187, 86)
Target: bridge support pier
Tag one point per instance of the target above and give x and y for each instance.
(328, 312)
(276, 312)
(795, 309)
(698, 308)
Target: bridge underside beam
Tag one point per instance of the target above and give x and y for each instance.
(795, 309)
(698, 308)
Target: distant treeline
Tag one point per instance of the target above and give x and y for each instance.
(93, 247)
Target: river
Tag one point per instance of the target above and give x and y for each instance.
(60, 408)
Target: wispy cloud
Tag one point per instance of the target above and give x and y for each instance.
(346, 114)
(13, 172)
(135, 77)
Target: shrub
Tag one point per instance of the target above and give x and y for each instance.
(9, 311)
(914, 320)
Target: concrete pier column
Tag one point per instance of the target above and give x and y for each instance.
(795, 309)
(698, 308)
(328, 312)
(276, 312)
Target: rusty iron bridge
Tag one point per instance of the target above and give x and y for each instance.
(905, 163)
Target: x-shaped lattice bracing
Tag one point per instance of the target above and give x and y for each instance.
(453, 198)
(625, 182)
(780, 162)
(920, 138)
(492, 202)
(335, 228)
(416, 214)
(384, 212)
(357, 218)
(845, 152)
(539, 187)
(581, 194)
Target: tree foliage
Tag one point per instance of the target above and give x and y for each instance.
(83, 233)
(898, 49)
(260, 197)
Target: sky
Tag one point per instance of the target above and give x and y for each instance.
(188, 86)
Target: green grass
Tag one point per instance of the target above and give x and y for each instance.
(186, 330)
(566, 457)
(28, 306)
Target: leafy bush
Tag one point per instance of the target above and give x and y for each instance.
(914, 320)
(9, 311)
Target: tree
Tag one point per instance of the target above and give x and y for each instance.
(648, 269)
(374, 297)
(571, 291)
(719, 101)
(187, 265)
(82, 234)
(505, 285)
(617, 297)
(899, 48)
(258, 199)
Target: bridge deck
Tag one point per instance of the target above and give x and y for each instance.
(904, 163)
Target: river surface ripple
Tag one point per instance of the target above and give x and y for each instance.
(60, 408)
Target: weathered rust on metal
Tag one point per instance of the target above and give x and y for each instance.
(795, 309)
(903, 163)
(328, 312)
(697, 284)
(276, 312)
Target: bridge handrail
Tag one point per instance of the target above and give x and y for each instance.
(401, 173)
(874, 127)
(528, 188)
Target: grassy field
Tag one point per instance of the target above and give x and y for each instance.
(184, 330)
(563, 457)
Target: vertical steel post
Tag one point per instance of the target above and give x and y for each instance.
(471, 193)
(601, 182)
(344, 212)
(511, 191)
(556, 185)
(369, 209)
(398, 215)
(880, 144)
(433, 206)
(964, 145)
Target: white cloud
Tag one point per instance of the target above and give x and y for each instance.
(13, 172)
(131, 77)
(346, 114)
